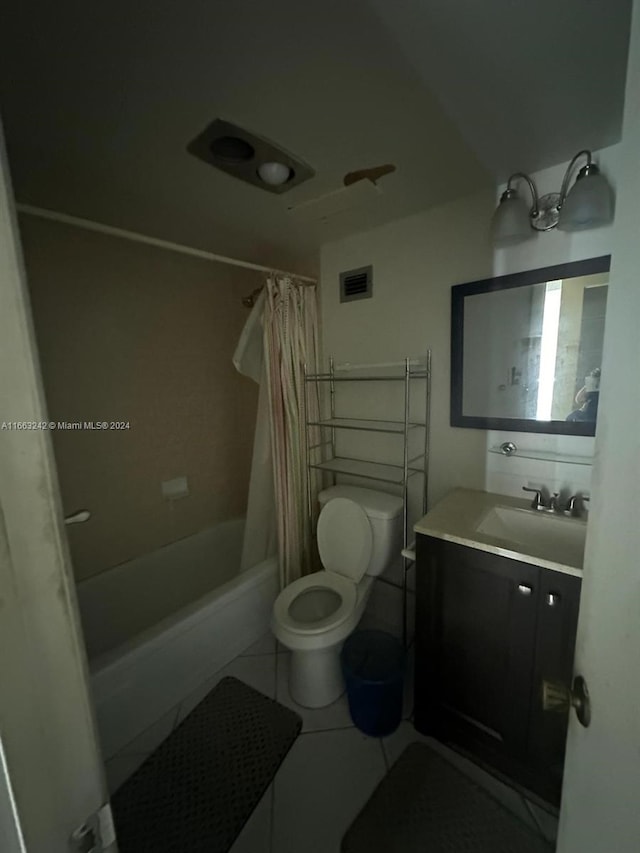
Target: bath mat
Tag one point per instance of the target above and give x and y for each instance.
(197, 790)
(424, 805)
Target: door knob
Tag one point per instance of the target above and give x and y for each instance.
(556, 696)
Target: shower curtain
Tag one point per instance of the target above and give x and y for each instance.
(279, 338)
(290, 342)
(260, 538)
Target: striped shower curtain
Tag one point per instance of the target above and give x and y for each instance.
(290, 342)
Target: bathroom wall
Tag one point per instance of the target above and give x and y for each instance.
(132, 333)
(415, 262)
(508, 475)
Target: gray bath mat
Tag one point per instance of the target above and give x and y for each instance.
(424, 805)
(197, 790)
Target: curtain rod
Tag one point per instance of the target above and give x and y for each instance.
(89, 225)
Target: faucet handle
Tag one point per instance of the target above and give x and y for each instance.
(575, 505)
(537, 502)
(571, 504)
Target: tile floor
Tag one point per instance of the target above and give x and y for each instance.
(328, 775)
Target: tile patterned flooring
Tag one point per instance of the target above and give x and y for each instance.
(330, 772)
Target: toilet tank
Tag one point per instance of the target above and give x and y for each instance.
(384, 512)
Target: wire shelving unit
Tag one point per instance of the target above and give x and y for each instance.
(322, 455)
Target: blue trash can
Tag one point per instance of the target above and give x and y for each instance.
(373, 664)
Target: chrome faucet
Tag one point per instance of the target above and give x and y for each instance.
(538, 501)
(574, 506)
(554, 503)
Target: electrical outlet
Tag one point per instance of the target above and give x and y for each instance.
(174, 489)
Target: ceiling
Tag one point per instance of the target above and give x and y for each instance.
(529, 84)
(100, 100)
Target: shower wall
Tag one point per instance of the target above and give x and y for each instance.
(134, 334)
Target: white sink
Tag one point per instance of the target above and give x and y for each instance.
(539, 534)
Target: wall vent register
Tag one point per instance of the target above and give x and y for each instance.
(356, 284)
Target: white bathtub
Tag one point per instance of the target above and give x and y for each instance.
(158, 626)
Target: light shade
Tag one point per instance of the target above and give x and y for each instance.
(274, 173)
(589, 203)
(510, 223)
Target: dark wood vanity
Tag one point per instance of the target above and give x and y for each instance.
(498, 578)
(489, 631)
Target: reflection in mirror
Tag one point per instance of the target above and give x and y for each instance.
(527, 349)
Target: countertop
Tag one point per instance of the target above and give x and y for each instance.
(456, 517)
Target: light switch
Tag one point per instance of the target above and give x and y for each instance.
(174, 489)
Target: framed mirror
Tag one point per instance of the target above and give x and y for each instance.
(526, 349)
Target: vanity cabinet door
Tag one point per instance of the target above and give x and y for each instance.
(558, 605)
(475, 640)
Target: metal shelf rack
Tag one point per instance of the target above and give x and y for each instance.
(322, 456)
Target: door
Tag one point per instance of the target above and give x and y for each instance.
(558, 603)
(51, 777)
(480, 636)
(476, 631)
(601, 788)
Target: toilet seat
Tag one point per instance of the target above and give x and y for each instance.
(323, 580)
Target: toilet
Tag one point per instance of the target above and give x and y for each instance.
(359, 533)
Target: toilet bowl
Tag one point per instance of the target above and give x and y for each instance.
(359, 532)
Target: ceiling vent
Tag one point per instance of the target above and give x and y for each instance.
(249, 157)
(356, 284)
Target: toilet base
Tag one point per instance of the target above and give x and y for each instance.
(315, 677)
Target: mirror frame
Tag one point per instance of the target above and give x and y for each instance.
(487, 285)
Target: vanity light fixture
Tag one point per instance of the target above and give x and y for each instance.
(588, 204)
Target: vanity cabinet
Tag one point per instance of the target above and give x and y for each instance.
(489, 630)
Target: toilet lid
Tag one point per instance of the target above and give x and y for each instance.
(345, 539)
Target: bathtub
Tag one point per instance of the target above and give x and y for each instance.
(157, 626)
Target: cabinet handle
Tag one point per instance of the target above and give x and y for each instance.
(525, 589)
(553, 599)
